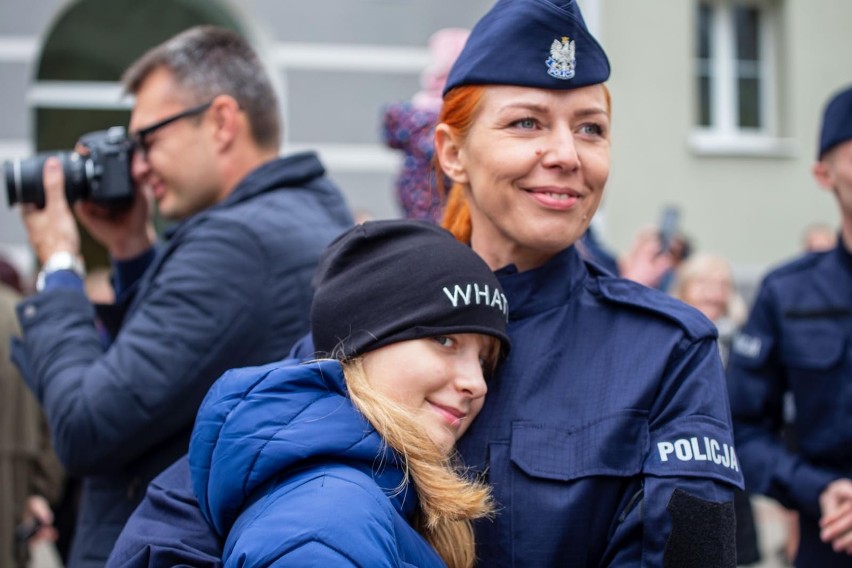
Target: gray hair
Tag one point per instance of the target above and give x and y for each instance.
(207, 61)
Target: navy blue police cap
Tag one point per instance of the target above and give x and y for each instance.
(531, 43)
(836, 122)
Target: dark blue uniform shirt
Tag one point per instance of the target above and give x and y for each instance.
(606, 434)
(798, 339)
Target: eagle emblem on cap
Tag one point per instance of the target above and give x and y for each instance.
(562, 61)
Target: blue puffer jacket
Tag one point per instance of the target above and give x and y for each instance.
(289, 473)
(230, 288)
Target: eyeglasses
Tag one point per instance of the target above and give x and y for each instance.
(139, 138)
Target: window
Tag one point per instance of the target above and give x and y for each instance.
(735, 76)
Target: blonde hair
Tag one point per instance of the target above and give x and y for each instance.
(460, 107)
(701, 264)
(448, 499)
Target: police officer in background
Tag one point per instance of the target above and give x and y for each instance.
(230, 287)
(798, 340)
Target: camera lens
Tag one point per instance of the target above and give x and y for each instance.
(24, 178)
(11, 175)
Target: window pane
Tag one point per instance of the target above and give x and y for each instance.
(746, 21)
(705, 21)
(705, 110)
(749, 103)
(704, 64)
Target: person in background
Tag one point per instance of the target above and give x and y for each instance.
(819, 237)
(587, 432)
(798, 340)
(348, 460)
(230, 287)
(409, 126)
(705, 281)
(31, 476)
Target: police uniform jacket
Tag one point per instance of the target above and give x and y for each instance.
(798, 339)
(289, 473)
(606, 434)
(230, 288)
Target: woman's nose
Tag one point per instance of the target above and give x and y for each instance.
(561, 150)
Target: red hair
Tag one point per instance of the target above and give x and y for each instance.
(458, 112)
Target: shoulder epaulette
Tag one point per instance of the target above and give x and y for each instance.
(803, 263)
(627, 292)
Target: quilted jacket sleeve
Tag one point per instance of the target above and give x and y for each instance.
(202, 312)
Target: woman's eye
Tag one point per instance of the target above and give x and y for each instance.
(592, 129)
(444, 340)
(526, 123)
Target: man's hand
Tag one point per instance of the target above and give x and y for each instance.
(125, 233)
(51, 229)
(836, 522)
(646, 263)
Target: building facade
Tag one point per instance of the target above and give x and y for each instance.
(716, 103)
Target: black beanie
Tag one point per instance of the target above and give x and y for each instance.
(387, 281)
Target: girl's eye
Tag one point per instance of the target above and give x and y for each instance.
(444, 340)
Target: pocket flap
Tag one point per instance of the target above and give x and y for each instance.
(614, 445)
(813, 347)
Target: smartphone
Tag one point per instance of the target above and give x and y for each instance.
(669, 222)
(26, 530)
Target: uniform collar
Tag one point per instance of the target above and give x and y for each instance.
(545, 287)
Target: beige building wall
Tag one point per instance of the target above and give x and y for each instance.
(751, 208)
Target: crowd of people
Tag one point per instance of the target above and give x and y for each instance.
(482, 383)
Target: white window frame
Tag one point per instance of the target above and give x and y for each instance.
(724, 136)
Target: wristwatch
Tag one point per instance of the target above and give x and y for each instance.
(62, 260)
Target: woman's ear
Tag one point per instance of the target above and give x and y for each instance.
(448, 151)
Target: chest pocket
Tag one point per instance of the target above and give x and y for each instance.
(614, 446)
(812, 346)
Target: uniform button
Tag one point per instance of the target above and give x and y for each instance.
(30, 311)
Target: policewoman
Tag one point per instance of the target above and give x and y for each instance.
(606, 435)
(798, 339)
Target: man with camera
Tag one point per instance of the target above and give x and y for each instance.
(230, 287)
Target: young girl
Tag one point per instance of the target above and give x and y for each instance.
(349, 460)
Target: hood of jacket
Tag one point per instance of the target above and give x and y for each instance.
(259, 423)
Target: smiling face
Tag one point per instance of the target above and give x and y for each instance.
(439, 378)
(178, 166)
(534, 163)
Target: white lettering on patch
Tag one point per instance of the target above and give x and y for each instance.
(699, 449)
(747, 345)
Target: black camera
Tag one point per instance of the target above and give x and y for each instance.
(102, 176)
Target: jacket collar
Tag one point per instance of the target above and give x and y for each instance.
(844, 255)
(290, 171)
